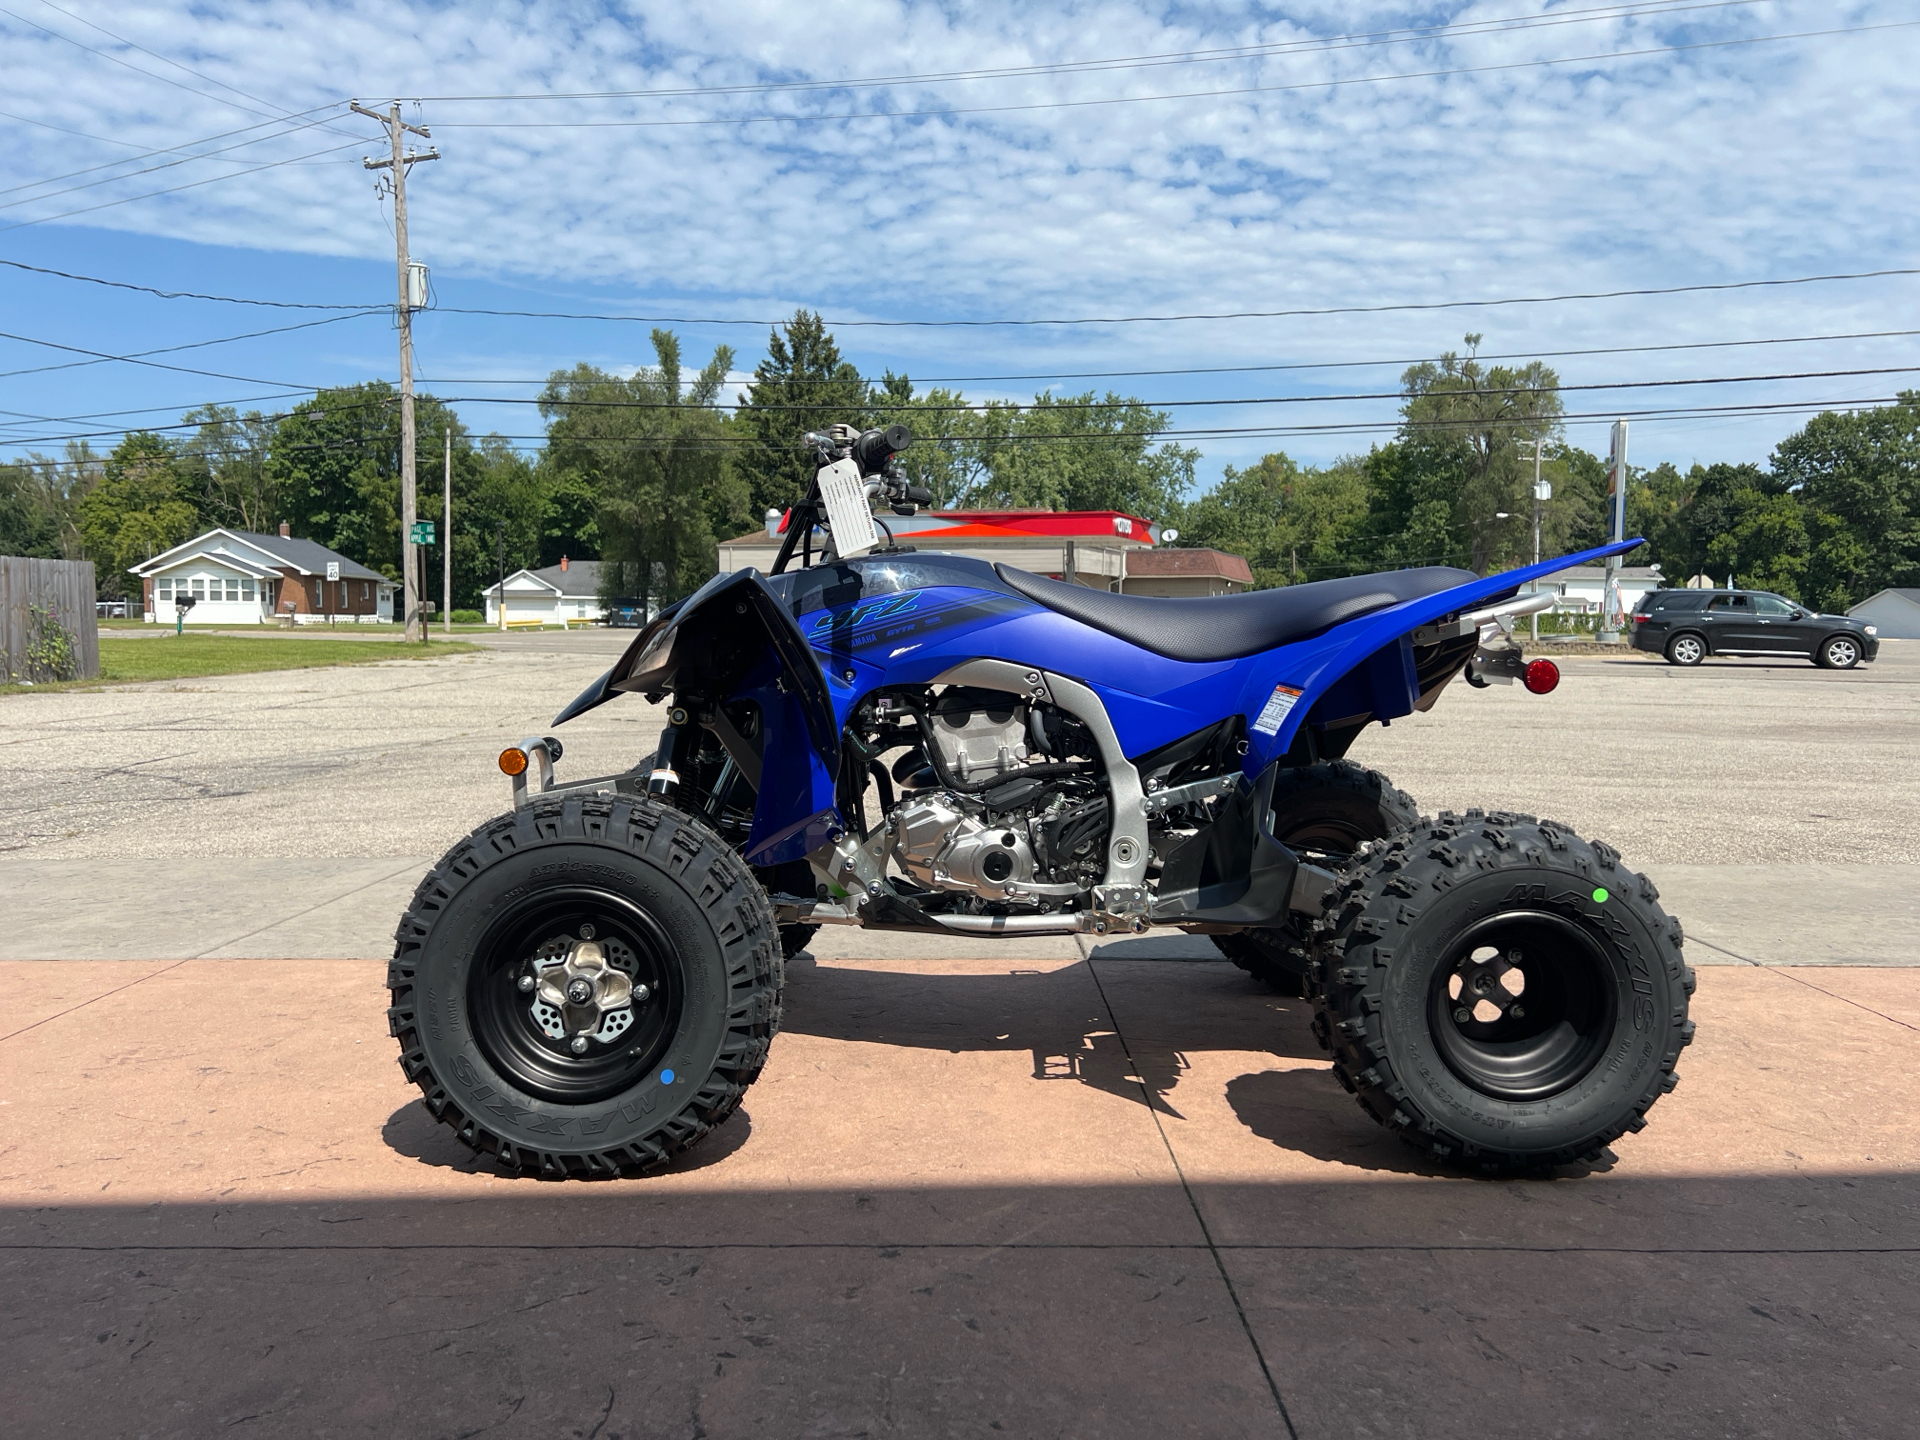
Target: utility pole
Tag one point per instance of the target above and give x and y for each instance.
(1542, 490)
(1610, 608)
(500, 595)
(401, 159)
(446, 542)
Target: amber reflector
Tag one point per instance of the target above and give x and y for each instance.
(513, 760)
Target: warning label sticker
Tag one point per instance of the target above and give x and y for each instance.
(1274, 713)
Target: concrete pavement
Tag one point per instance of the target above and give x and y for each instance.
(1058, 1197)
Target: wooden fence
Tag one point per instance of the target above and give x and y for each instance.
(47, 621)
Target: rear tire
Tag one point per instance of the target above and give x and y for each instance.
(1503, 994)
(1688, 649)
(1333, 807)
(670, 905)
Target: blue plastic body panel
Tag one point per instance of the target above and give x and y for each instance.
(887, 630)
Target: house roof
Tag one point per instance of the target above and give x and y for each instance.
(1196, 560)
(580, 580)
(1599, 572)
(1011, 525)
(308, 557)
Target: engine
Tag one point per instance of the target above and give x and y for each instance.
(1000, 811)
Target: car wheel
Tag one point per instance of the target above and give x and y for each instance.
(1841, 652)
(1686, 650)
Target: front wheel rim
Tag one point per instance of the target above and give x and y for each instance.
(516, 1038)
(1522, 1006)
(1841, 653)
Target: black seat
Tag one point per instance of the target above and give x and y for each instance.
(1225, 627)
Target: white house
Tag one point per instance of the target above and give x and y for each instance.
(237, 577)
(1896, 613)
(563, 594)
(1582, 590)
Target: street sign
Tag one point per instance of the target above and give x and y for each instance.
(423, 532)
(333, 572)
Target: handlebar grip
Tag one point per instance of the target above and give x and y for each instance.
(873, 449)
(919, 494)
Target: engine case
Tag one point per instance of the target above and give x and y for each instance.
(945, 848)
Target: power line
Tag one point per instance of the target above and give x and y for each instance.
(1340, 427)
(866, 383)
(190, 185)
(1307, 313)
(151, 169)
(1404, 35)
(101, 356)
(1304, 85)
(116, 60)
(148, 154)
(179, 294)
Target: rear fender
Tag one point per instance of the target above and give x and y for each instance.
(732, 639)
(1363, 669)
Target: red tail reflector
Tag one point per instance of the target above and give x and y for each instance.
(1541, 676)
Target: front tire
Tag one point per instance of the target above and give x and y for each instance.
(1333, 807)
(1838, 652)
(1686, 650)
(586, 987)
(1504, 994)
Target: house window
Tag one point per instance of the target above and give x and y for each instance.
(233, 589)
(199, 587)
(163, 589)
(246, 589)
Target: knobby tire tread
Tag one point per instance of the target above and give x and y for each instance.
(710, 873)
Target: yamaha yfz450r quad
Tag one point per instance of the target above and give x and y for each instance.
(925, 743)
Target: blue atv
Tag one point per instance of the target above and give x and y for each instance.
(937, 745)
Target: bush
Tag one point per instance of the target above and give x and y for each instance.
(468, 617)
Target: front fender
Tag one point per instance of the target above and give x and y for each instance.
(731, 639)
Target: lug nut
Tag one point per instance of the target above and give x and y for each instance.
(1461, 1015)
(579, 1044)
(1518, 1012)
(640, 992)
(586, 932)
(526, 982)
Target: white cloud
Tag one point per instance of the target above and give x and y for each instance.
(1692, 166)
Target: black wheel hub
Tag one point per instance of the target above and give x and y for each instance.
(1522, 1007)
(517, 1032)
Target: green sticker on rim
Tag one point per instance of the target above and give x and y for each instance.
(1600, 896)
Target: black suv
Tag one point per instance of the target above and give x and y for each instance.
(1686, 626)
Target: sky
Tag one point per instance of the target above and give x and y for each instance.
(962, 167)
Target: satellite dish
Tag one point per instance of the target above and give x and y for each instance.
(1168, 536)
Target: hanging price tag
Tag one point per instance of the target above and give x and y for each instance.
(849, 518)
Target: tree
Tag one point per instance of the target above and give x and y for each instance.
(335, 464)
(26, 525)
(137, 510)
(1073, 452)
(1460, 428)
(802, 385)
(1290, 524)
(226, 462)
(1857, 476)
(651, 451)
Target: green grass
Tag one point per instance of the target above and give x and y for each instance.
(185, 657)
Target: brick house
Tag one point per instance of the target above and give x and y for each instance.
(237, 577)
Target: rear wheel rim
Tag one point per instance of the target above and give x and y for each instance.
(1528, 1036)
(501, 1013)
(1687, 650)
